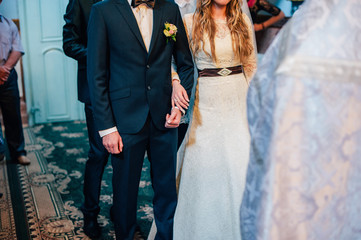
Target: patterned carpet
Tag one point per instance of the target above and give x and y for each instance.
(7, 223)
(52, 185)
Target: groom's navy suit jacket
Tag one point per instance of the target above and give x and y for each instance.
(126, 82)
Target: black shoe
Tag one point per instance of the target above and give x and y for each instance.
(91, 227)
(2, 156)
(23, 160)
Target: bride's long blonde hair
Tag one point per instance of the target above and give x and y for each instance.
(203, 23)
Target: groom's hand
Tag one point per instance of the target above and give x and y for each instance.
(113, 143)
(173, 120)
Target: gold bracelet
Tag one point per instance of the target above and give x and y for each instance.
(176, 79)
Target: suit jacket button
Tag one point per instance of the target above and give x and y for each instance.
(148, 87)
(148, 66)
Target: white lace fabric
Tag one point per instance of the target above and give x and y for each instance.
(304, 111)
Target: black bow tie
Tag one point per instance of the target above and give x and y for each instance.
(136, 3)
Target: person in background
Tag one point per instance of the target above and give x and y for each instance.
(75, 46)
(257, 5)
(11, 51)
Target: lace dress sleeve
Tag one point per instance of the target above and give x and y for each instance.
(250, 63)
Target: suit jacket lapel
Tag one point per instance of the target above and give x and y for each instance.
(157, 17)
(127, 13)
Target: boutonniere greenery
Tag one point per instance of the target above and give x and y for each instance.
(170, 31)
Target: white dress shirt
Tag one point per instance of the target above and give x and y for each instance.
(144, 16)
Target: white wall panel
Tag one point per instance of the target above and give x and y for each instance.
(51, 19)
(56, 89)
(50, 76)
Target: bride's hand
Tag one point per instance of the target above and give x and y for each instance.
(179, 96)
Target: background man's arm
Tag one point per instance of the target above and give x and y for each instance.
(13, 59)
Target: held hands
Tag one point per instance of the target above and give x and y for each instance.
(179, 96)
(113, 143)
(173, 120)
(180, 101)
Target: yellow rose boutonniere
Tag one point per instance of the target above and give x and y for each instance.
(170, 31)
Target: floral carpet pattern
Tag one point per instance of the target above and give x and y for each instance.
(7, 223)
(52, 184)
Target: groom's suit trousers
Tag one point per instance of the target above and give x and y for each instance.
(161, 148)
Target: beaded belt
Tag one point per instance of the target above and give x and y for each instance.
(216, 72)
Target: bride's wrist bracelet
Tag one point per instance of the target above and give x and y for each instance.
(176, 79)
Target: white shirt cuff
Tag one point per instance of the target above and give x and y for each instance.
(102, 133)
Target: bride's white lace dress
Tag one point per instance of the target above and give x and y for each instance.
(214, 157)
